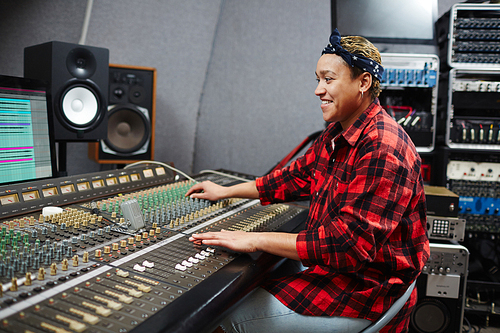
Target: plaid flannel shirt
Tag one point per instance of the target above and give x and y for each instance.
(365, 239)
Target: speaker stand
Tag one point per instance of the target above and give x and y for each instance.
(62, 159)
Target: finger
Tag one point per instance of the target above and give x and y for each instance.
(197, 241)
(205, 235)
(198, 195)
(195, 188)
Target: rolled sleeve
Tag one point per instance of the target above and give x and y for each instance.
(289, 183)
(310, 246)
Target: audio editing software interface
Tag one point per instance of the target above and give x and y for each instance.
(25, 146)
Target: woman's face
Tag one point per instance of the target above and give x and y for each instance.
(340, 94)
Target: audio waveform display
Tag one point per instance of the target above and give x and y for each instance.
(16, 140)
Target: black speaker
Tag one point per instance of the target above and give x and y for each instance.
(441, 291)
(131, 117)
(78, 86)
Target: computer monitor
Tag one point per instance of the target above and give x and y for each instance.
(27, 149)
(387, 21)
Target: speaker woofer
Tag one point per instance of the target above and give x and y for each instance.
(79, 106)
(128, 128)
(81, 63)
(430, 316)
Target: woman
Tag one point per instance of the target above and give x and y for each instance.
(365, 239)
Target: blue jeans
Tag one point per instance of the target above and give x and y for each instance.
(261, 312)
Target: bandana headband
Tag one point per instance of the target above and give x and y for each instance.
(362, 62)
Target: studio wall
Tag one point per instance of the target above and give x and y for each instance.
(235, 79)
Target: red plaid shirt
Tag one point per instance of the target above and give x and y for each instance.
(365, 239)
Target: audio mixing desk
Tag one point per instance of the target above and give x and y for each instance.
(109, 252)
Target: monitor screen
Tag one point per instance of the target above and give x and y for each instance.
(26, 146)
(387, 21)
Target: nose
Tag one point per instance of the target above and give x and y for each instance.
(320, 89)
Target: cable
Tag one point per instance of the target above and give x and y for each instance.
(225, 174)
(86, 21)
(468, 325)
(162, 164)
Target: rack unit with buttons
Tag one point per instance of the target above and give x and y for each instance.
(409, 94)
(469, 34)
(478, 187)
(473, 120)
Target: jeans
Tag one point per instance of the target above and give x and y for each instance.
(261, 312)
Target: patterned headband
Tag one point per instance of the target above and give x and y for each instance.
(362, 62)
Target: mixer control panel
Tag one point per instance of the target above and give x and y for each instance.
(75, 264)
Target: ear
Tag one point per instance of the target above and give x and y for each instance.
(365, 81)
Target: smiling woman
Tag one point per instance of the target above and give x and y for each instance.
(348, 67)
(365, 240)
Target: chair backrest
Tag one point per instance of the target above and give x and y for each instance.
(389, 314)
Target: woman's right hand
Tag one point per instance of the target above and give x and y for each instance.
(207, 190)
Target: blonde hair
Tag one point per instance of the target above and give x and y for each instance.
(362, 46)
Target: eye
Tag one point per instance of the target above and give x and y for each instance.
(328, 79)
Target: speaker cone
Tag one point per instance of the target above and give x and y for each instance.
(81, 63)
(128, 128)
(430, 316)
(79, 106)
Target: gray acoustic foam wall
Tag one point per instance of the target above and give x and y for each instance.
(174, 36)
(240, 106)
(235, 77)
(258, 101)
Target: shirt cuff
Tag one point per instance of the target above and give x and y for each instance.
(264, 196)
(309, 244)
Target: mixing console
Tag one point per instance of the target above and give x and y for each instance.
(92, 265)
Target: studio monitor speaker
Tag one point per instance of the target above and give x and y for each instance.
(131, 117)
(78, 87)
(441, 291)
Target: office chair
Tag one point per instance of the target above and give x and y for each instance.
(389, 314)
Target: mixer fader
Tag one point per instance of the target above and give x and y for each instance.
(74, 260)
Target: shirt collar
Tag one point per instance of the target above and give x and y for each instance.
(353, 132)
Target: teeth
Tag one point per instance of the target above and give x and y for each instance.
(325, 102)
